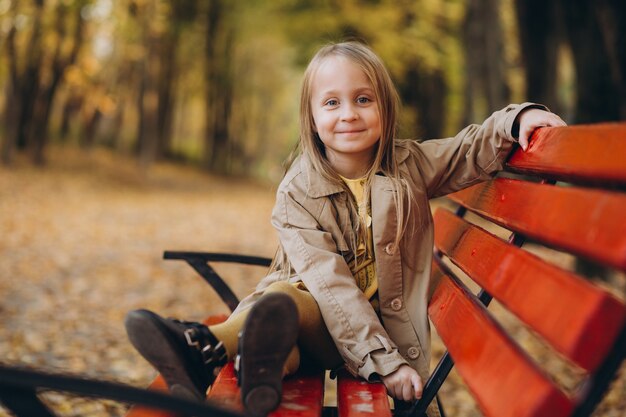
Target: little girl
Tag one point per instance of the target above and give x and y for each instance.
(351, 281)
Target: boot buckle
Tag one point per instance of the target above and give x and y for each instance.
(190, 335)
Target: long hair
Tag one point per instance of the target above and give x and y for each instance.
(388, 107)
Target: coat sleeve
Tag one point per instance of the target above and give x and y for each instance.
(473, 155)
(355, 328)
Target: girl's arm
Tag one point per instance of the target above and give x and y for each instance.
(352, 322)
(478, 151)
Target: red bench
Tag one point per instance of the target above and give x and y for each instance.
(583, 323)
(574, 203)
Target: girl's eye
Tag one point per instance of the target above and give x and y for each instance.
(332, 102)
(363, 100)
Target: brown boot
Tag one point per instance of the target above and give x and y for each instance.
(269, 334)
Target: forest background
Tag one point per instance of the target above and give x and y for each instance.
(132, 126)
(216, 82)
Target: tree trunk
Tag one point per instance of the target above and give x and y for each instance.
(216, 134)
(20, 99)
(148, 98)
(223, 150)
(539, 41)
(597, 97)
(60, 62)
(486, 88)
(421, 89)
(182, 13)
(71, 107)
(494, 64)
(11, 116)
(167, 78)
(611, 15)
(425, 92)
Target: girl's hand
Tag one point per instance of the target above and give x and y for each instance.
(404, 383)
(531, 119)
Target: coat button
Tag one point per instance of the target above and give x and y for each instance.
(389, 249)
(396, 304)
(413, 352)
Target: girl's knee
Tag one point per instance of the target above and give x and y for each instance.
(283, 287)
(307, 307)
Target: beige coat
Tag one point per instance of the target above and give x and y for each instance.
(313, 222)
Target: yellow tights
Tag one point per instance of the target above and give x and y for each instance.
(313, 337)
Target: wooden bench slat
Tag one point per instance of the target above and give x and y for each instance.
(583, 221)
(225, 390)
(303, 396)
(359, 398)
(582, 322)
(504, 381)
(588, 153)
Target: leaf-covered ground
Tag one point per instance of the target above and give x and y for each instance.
(81, 244)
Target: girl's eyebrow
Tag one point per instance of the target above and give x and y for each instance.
(355, 91)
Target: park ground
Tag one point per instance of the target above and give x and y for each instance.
(81, 243)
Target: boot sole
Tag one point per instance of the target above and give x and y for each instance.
(155, 343)
(269, 335)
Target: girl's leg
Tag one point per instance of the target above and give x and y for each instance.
(313, 337)
(188, 354)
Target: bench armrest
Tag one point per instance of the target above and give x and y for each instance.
(19, 388)
(218, 257)
(200, 262)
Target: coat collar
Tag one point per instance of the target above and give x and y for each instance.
(318, 186)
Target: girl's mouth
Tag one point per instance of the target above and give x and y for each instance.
(350, 131)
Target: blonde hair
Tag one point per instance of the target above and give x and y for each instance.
(388, 108)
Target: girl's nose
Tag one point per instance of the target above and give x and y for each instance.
(349, 113)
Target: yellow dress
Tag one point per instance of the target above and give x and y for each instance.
(363, 266)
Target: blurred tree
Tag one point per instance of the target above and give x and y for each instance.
(219, 149)
(162, 23)
(597, 94)
(148, 94)
(422, 83)
(138, 83)
(55, 40)
(24, 80)
(593, 30)
(539, 38)
(612, 17)
(181, 14)
(485, 80)
(69, 28)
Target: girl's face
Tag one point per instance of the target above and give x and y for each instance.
(345, 111)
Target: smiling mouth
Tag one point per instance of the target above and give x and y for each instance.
(351, 131)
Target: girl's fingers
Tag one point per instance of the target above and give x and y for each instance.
(526, 130)
(398, 391)
(417, 385)
(557, 120)
(407, 391)
(523, 141)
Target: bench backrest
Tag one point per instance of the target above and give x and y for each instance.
(583, 323)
